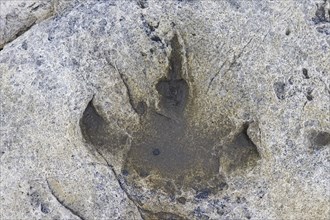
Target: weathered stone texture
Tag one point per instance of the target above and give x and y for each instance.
(166, 110)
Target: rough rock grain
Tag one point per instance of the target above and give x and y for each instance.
(168, 110)
(18, 16)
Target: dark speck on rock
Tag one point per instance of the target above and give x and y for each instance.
(181, 200)
(305, 73)
(309, 95)
(279, 88)
(39, 62)
(200, 214)
(319, 139)
(226, 198)
(125, 172)
(156, 39)
(34, 198)
(203, 194)
(287, 32)
(143, 173)
(156, 152)
(44, 208)
(223, 185)
(240, 199)
(24, 45)
(103, 22)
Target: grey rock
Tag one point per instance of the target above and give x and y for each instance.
(168, 110)
(16, 17)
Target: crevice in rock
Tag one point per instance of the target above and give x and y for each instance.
(128, 90)
(325, 85)
(93, 128)
(121, 185)
(75, 213)
(150, 29)
(27, 27)
(215, 76)
(231, 65)
(18, 34)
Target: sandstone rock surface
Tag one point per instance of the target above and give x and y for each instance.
(18, 16)
(167, 110)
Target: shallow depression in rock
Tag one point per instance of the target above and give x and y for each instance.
(169, 147)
